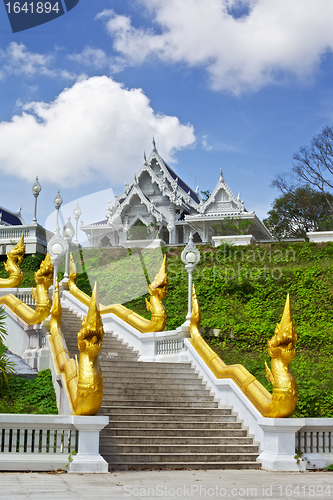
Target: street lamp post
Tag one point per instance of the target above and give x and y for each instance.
(68, 233)
(77, 214)
(36, 189)
(57, 203)
(191, 258)
(57, 246)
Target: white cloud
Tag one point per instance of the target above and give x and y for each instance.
(17, 60)
(90, 57)
(243, 44)
(205, 143)
(95, 129)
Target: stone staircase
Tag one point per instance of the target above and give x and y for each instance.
(161, 414)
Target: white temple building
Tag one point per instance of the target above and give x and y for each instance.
(159, 204)
(12, 225)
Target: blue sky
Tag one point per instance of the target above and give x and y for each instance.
(234, 84)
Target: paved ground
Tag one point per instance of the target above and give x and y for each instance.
(231, 484)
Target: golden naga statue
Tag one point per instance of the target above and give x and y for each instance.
(157, 291)
(14, 259)
(84, 378)
(43, 279)
(281, 348)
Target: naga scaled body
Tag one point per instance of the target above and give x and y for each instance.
(283, 401)
(43, 279)
(157, 291)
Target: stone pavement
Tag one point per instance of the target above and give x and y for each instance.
(216, 484)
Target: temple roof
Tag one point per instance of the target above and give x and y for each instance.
(9, 218)
(222, 200)
(183, 184)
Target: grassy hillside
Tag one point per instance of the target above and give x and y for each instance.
(29, 396)
(242, 293)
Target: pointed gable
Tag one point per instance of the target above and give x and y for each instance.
(222, 200)
(169, 183)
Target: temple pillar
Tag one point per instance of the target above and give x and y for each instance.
(172, 225)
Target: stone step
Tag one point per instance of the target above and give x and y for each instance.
(178, 449)
(158, 393)
(175, 433)
(166, 418)
(140, 367)
(115, 356)
(142, 377)
(142, 410)
(162, 440)
(236, 465)
(150, 385)
(115, 458)
(179, 424)
(185, 404)
(128, 373)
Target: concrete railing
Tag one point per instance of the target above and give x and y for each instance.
(49, 442)
(320, 236)
(314, 441)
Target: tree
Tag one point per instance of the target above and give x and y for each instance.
(205, 195)
(295, 213)
(312, 166)
(233, 225)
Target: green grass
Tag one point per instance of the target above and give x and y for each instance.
(29, 396)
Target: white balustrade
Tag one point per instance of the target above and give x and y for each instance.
(25, 294)
(171, 346)
(314, 442)
(12, 233)
(45, 442)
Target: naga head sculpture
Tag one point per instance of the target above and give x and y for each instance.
(283, 343)
(44, 275)
(159, 286)
(91, 335)
(17, 253)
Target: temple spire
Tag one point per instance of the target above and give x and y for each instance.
(154, 144)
